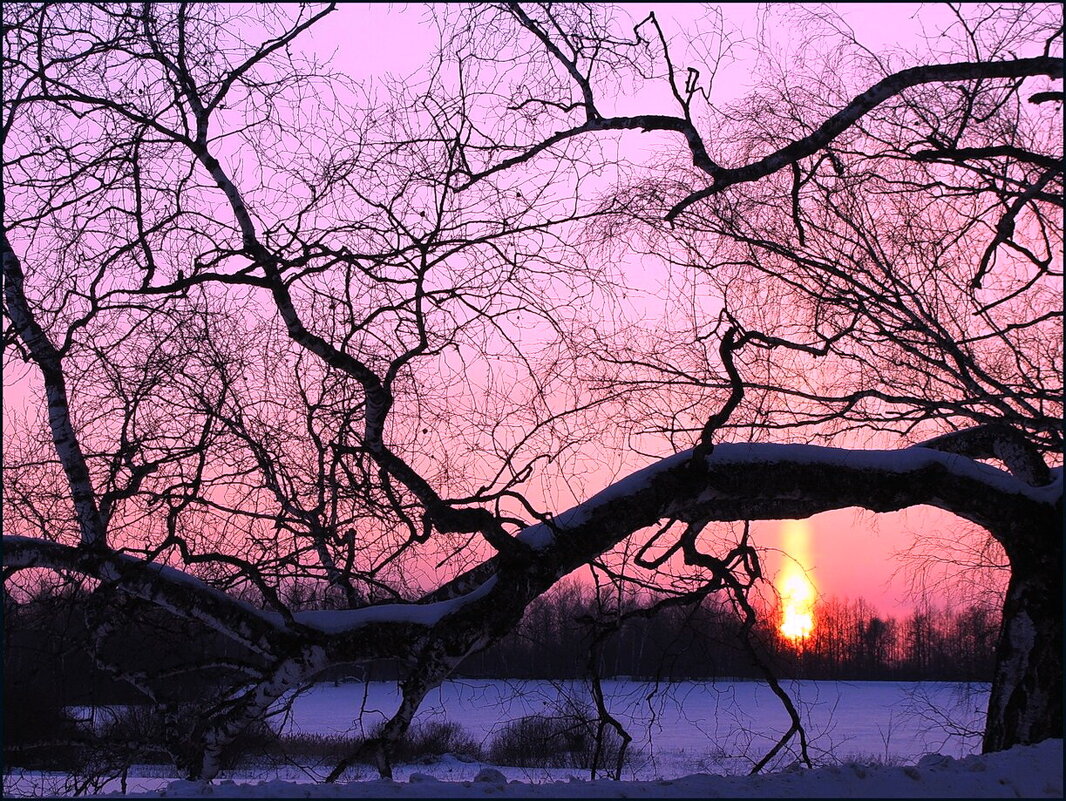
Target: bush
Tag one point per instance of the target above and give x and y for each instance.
(435, 739)
(564, 740)
(148, 729)
(313, 747)
(422, 743)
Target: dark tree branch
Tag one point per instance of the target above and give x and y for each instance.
(996, 441)
(863, 104)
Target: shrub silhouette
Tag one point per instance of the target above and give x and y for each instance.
(566, 739)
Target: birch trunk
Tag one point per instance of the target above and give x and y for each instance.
(1025, 706)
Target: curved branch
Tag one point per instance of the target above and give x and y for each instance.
(1005, 226)
(878, 93)
(965, 154)
(996, 442)
(166, 587)
(640, 122)
(760, 481)
(739, 482)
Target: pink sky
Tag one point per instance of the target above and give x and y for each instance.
(852, 552)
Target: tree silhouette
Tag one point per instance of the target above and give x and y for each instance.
(284, 327)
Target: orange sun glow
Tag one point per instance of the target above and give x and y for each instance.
(794, 583)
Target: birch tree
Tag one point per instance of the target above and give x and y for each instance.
(283, 326)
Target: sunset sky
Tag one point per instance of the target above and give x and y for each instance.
(852, 553)
(417, 345)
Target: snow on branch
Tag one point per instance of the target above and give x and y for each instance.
(753, 481)
(746, 481)
(423, 614)
(166, 587)
(996, 442)
(186, 596)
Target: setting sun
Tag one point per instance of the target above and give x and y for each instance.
(794, 583)
(797, 605)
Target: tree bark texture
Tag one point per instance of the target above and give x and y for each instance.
(1025, 705)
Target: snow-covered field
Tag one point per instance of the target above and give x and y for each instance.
(679, 729)
(683, 727)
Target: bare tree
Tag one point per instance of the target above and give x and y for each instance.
(854, 264)
(283, 328)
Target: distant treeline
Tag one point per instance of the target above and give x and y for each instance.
(48, 647)
(849, 642)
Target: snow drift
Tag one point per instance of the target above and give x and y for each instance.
(1033, 771)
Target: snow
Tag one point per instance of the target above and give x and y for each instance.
(339, 621)
(679, 727)
(540, 536)
(885, 461)
(690, 739)
(907, 460)
(1024, 771)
